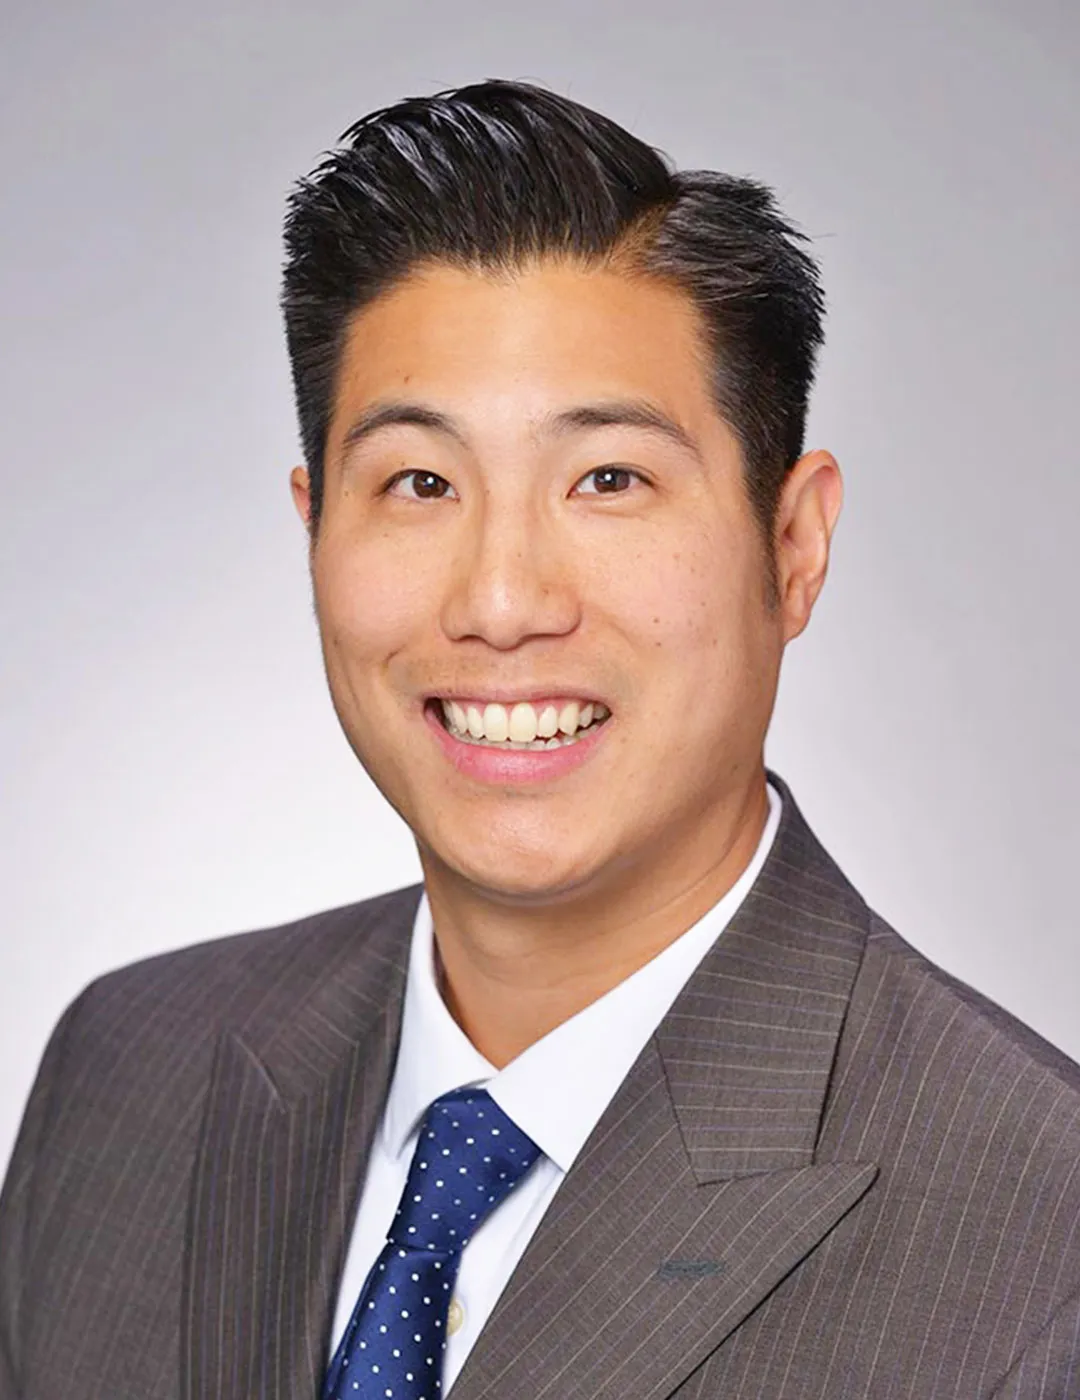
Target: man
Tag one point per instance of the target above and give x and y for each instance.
(634, 1097)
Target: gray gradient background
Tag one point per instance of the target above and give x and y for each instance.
(171, 766)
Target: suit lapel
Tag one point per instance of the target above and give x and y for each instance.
(293, 1105)
(698, 1192)
(749, 1045)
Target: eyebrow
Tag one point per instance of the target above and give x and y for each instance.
(393, 414)
(619, 413)
(613, 413)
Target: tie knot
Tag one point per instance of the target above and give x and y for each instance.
(470, 1155)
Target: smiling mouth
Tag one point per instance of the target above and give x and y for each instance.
(552, 725)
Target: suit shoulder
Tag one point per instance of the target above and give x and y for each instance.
(915, 981)
(214, 981)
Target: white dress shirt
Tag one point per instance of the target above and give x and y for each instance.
(556, 1091)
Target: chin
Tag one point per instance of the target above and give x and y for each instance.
(522, 876)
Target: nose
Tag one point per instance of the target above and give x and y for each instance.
(510, 579)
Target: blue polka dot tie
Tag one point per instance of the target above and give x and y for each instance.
(468, 1159)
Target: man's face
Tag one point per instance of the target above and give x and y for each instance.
(531, 499)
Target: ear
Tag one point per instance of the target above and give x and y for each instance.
(807, 513)
(300, 485)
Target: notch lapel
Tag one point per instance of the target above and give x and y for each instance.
(292, 1108)
(699, 1191)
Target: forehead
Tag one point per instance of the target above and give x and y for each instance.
(550, 330)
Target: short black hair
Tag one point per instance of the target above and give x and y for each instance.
(492, 175)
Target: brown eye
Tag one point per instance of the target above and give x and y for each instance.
(609, 481)
(426, 486)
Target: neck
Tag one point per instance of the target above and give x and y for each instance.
(511, 974)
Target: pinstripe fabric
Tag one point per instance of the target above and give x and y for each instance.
(161, 1187)
(833, 1172)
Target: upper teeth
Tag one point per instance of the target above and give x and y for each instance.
(521, 723)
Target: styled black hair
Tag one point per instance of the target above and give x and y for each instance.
(493, 175)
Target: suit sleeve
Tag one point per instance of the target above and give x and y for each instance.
(1048, 1368)
(17, 1201)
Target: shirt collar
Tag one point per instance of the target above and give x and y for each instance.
(556, 1089)
(434, 1053)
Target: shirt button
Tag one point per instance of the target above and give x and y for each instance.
(455, 1318)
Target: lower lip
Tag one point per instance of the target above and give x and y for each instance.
(491, 765)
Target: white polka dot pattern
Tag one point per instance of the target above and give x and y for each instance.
(469, 1157)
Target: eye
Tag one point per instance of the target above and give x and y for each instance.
(427, 486)
(610, 481)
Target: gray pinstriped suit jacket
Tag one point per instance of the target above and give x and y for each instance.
(833, 1172)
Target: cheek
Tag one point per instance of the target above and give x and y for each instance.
(700, 635)
(368, 604)
(690, 602)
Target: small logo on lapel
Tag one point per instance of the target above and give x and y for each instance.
(690, 1268)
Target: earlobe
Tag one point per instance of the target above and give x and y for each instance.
(300, 485)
